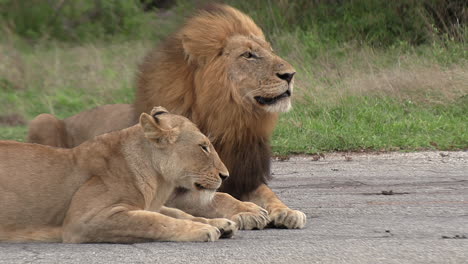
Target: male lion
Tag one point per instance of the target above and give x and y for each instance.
(102, 190)
(220, 72)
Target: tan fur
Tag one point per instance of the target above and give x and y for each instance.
(201, 72)
(70, 132)
(113, 188)
(216, 70)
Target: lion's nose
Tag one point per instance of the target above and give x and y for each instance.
(286, 76)
(223, 176)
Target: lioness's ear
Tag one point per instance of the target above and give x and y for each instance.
(157, 110)
(158, 129)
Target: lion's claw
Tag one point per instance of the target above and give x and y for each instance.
(255, 218)
(288, 218)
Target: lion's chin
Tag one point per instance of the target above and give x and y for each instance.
(273, 100)
(283, 105)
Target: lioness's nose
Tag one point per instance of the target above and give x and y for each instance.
(286, 76)
(223, 176)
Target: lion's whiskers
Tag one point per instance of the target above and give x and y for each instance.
(251, 92)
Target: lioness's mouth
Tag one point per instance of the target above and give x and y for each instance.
(200, 187)
(272, 100)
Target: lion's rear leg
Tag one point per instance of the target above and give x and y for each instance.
(46, 129)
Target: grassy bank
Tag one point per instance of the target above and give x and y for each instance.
(376, 91)
(372, 123)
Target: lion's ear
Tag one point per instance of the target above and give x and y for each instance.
(158, 129)
(200, 50)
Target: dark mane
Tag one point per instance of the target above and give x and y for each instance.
(248, 163)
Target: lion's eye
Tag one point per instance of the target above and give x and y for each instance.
(205, 148)
(248, 55)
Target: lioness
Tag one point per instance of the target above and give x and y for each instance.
(112, 188)
(219, 71)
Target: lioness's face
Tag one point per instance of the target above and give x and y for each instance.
(189, 159)
(202, 169)
(261, 77)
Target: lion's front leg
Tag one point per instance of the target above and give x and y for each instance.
(246, 215)
(225, 226)
(280, 214)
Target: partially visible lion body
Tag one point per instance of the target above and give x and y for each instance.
(70, 132)
(220, 72)
(102, 190)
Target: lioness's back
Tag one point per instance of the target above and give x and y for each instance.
(31, 173)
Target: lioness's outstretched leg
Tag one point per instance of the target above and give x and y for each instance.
(280, 214)
(97, 215)
(245, 214)
(46, 129)
(226, 226)
(118, 224)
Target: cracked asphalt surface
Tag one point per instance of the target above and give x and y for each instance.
(361, 208)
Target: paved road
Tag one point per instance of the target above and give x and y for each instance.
(386, 208)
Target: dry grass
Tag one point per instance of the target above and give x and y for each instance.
(366, 72)
(98, 73)
(427, 84)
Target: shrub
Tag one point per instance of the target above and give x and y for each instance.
(74, 20)
(374, 22)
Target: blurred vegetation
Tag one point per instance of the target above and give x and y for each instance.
(374, 22)
(372, 74)
(77, 21)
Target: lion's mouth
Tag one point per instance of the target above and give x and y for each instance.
(272, 100)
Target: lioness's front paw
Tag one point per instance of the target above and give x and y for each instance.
(288, 218)
(203, 232)
(254, 217)
(226, 226)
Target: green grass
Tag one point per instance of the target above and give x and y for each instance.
(372, 123)
(354, 124)
(64, 80)
(17, 133)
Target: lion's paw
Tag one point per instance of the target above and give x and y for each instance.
(288, 218)
(255, 217)
(202, 233)
(225, 226)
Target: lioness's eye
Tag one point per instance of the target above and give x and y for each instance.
(205, 148)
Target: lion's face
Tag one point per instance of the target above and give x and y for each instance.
(261, 77)
(190, 160)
